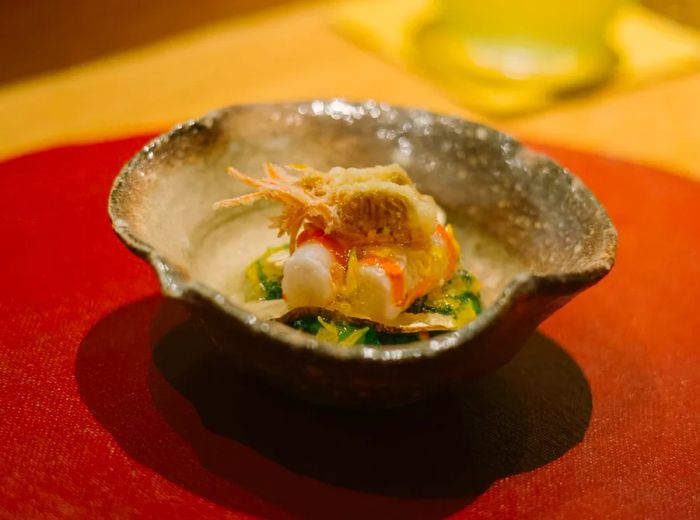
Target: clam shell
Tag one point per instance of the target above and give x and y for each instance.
(530, 230)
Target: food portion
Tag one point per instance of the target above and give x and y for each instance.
(370, 259)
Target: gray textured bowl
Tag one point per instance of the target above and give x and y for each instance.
(531, 231)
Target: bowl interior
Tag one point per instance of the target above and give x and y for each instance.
(514, 211)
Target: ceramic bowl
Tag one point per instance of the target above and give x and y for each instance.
(529, 229)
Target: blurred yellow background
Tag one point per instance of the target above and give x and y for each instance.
(75, 71)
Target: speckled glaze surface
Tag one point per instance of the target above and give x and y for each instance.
(545, 218)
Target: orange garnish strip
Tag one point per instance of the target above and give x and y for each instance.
(316, 235)
(452, 246)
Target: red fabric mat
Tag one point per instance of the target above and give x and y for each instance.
(113, 404)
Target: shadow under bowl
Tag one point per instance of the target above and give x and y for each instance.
(529, 229)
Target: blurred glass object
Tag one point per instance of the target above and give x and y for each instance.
(686, 12)
(521, 46)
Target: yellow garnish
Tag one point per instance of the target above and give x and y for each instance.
(355, 337)
(350, 285)
(328, 331)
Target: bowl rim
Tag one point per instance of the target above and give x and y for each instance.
(176, 284)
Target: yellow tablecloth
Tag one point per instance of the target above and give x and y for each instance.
(293, 53)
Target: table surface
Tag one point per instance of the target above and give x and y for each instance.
(293, 53)
(115, 404)
(108, 411)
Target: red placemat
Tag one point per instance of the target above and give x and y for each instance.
(114, 405)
